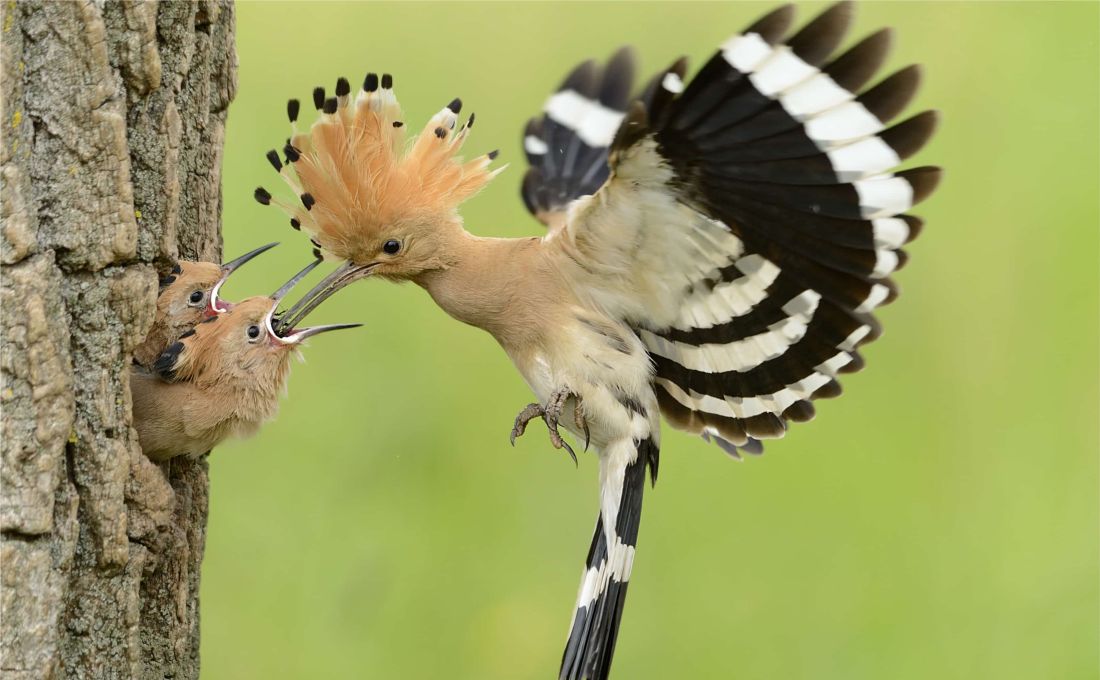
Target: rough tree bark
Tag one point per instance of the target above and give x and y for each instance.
(113, 115)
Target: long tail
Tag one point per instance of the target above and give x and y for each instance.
(595, 627)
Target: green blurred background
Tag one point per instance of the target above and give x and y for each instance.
(938, 521)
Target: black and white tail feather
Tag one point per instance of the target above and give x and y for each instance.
(595, 626)
(774, 213)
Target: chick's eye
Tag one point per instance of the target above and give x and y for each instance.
(391, 247)
(196, 297)
(253, 332)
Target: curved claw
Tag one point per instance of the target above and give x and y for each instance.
(549, 415)
(572, 455)
(560, 443)
(582, 423)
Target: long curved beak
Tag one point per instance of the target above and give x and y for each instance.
(285, 333)
(278, 295)
(340, 277)
(217, 306)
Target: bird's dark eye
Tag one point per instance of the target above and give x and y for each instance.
(196, 297)
(391, 247)
(253, 332)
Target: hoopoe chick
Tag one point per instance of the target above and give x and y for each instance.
(188, 294)
(716, 248)
(222, 378)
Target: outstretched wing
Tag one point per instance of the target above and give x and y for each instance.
(567, 145)
(751, 222)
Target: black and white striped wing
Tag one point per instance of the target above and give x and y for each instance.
(751, 222)
(567, 145)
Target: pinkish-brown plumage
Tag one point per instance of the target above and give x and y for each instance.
(182, 303)
(223, 378)
(188, 294)
(717, 246)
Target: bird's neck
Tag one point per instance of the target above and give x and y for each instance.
(483, 280)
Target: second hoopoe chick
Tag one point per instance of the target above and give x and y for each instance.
(716, 248)
(222, 378)
(188, 294)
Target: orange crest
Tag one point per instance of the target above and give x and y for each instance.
(355, 173)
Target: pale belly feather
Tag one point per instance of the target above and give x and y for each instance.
(603, 362)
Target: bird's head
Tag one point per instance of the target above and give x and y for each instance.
(367, 193)
(189, 293)
(244, 346)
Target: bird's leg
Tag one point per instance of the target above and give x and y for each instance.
(550, 415)
(581, 422)
(529, 413)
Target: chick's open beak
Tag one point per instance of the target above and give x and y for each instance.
(216, 306)
(340, 277)
(294, 336)
(285, 333)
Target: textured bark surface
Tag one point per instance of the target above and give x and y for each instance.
(113, 115)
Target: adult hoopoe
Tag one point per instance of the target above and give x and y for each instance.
(222, 378)
(741, 228)
(188, 294)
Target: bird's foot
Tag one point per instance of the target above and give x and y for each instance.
(550, 414)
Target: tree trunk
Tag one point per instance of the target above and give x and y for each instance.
(113, 116)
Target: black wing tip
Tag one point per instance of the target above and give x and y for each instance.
(881, 40)
(679, 67)
(855, 67)
(802, 411)
(625, 52)
(909, 136)
(617, 78)
(764, 426)
(903, 259)
(890, 96)
(924, 181)
(753, 447)
(534, 126)
(840, 13)
(582, 79)
(815, 41)
(915, 224)
(773, 25)
(830, 390)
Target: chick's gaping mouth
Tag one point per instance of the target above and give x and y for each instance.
(282, 326)
(342, 276)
